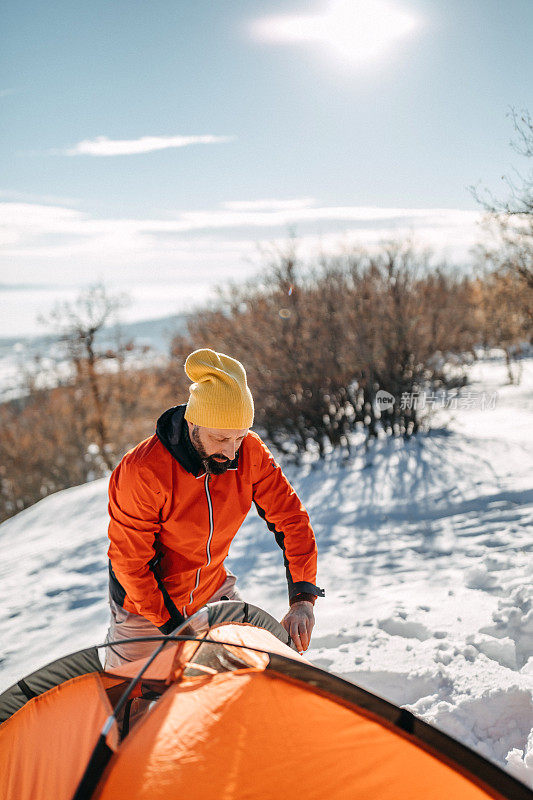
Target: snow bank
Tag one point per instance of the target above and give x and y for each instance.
(520, 762)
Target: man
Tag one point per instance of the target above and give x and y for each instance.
(176, 502)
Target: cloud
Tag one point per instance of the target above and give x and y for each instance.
(33, 220)
(282, 214)
(102, 146)
(37, 218)
(61, 244)
(353, 30)
(269, 205)
(7, 92)
(48, 199)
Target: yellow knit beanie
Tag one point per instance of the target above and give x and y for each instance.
(219, 395)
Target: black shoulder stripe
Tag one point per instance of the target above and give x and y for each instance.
(118, 593)
(175, 616)
(280, 539)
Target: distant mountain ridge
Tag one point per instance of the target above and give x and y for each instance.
(16, 351)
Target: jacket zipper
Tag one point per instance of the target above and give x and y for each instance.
(208, 547)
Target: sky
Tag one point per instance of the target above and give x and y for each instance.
(165, 146)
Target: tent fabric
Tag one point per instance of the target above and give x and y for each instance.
(45, 746)
(220, 617)
(234, 611)
(159, 669)
(459, 769)
(254, 735)
(216, 614)
(251, 646)
(439, 743)
(46, 677)
(239, 715)
(170, 663)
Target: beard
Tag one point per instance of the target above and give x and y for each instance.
(211, 465)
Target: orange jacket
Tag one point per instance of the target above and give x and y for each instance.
(172, 525)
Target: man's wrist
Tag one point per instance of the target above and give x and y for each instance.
(306, 597)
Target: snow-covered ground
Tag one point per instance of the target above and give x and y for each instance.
(426, 555)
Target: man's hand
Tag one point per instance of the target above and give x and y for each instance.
(299, 622)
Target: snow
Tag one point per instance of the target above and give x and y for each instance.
(425, 552)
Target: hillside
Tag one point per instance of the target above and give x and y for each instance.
(426, 555)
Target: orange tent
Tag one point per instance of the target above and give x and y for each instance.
(234, 714)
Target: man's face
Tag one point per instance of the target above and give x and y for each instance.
(216, 446)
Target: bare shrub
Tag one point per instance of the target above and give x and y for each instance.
(73, 425)
(319, 344)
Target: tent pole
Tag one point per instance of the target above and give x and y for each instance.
(102, 752)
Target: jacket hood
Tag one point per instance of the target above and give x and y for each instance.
(173, 433)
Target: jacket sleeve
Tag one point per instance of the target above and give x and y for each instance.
(134, 506)
(280, 507)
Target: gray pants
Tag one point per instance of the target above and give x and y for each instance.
(124, 625)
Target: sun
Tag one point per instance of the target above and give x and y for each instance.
(357, 31)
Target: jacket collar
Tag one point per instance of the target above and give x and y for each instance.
(173, 433)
